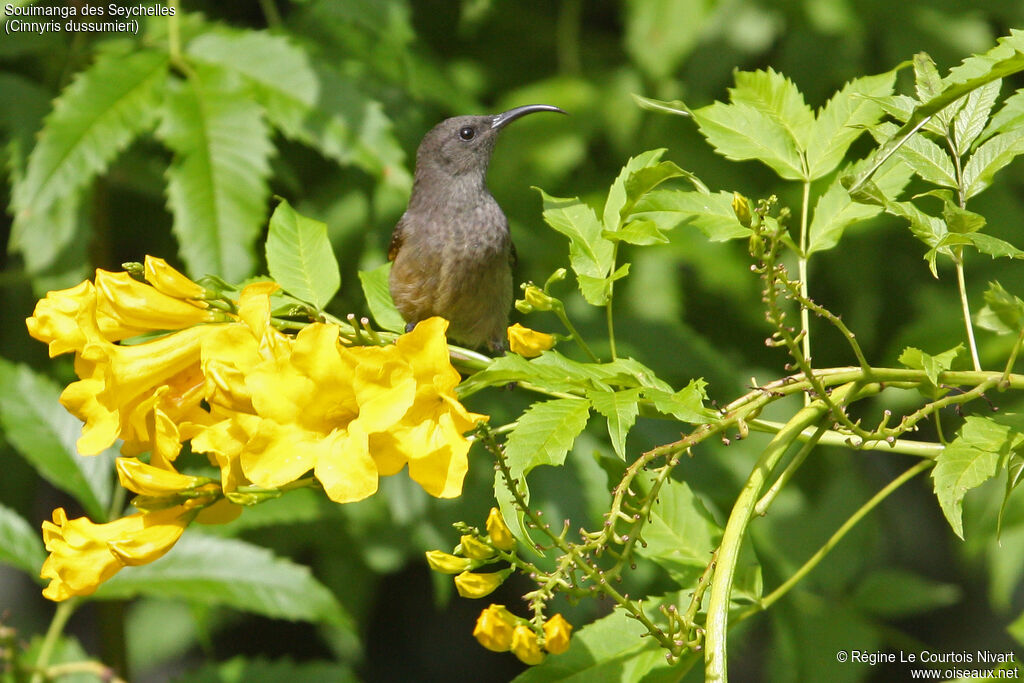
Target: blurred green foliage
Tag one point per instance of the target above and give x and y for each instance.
(323, 103)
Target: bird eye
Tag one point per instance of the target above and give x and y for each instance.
(467, 132)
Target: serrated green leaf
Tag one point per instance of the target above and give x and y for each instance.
(932, 365)
(712, 214)
(681, 534)
(974, 456)
(842, 120)
(928, 84)
(44, 433)
(97, 116)
(961, 221)
(989, 158)
(993, 246)
(687, 404)
(554, 372)
(21, 546)
(620, 200)
(1003, 312)
(835, 210)
(971, 119)
(590, 254)
(545, 434)
(378, 298)
(925, 157)
(217, 183)
(975, 72)
(278, 71)
(300, 258)
(1009, 118)
(641, 232)
(773, 94)
(620, 408)
(739, 132)
(222, 571)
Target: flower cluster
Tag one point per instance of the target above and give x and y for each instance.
(264, 406)
(498, 629)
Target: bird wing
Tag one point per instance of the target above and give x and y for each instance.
(397, 237)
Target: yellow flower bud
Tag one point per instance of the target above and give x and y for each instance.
(476, 549)
(169, 281)
(741, 207)
(148, 480)
(493, 628)
(447, 564)
(499, 533)
(536, 297)
(479, 585)
(528, 343)
(556, 634)
(525, 645)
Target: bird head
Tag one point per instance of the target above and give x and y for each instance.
(462, 145)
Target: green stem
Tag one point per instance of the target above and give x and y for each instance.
(608, 306)
(922, 449)
(967, 311)
(805, 318)
(766, 500)
(716, 651)
(824, 550)
(60, 619)
(559, 310)
(1013, 359)
(270, 13)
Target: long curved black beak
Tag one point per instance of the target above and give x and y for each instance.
(503, 119)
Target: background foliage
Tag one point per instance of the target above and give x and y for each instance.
(324, 103)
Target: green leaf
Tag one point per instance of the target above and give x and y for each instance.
(835, 210)
(932, 365)
(217, 182)
(620, 200)
(278, 71)
(378, 298)
(973, 73)
(928, 85)
(989, 158)
(980, 448)
(842, 120)
(590, 254)
(740, 132)
(300, 258)
(775, 95)
(970, 121)
(1014, 475)
(687, 404)
(1009, 118)
(621, 409)
(677, 107)
(96, 117)
(926, 158)
(1003, 312)
(554, 372)
(545, 434)
(961, 221)
(993, 246)
(39, 427)
(681, 534)
(222, 571)
(642, 232)
(20, 545)
(712, 214)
